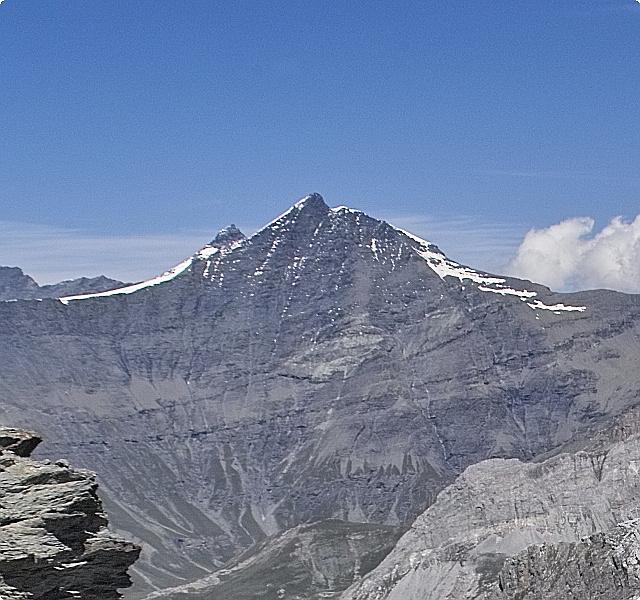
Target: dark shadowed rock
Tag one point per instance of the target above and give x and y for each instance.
(18, 441)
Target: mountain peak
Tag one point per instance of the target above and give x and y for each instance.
(15, 284)
(228, 236)
(311, 201)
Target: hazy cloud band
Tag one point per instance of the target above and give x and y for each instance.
(52, 254)
(565, 256)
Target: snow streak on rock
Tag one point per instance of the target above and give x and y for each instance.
(436, 260)
(445, 267)
(130, 289)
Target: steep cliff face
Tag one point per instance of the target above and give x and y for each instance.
(329, 367)
(603, 565)
(561, 529)
(53, 541)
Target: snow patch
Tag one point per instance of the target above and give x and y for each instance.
(208, 252)
(557, 308)
(445, 267)
(260, 270)
(130, 289)
(504, 291)
(345, 209)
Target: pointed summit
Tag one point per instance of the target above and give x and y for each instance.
(305, 214)
(15, 284)
(227, 236)
(311, 208)
(312, 201)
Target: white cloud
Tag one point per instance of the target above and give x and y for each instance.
(612, 259)
(550, 255)
(564, 256)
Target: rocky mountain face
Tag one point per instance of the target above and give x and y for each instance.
(563, 528)
(603, 565)
(15, 285)
(329, 367)
(54, 543)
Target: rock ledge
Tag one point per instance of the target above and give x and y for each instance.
(54, 543)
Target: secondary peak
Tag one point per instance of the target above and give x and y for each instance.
(228, 236)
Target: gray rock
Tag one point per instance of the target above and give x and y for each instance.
(308, 562)
(15, 285)
(18, 441)
(329, 367)
(82, 285)
(509, 530)
(53, 540)
(603, 565)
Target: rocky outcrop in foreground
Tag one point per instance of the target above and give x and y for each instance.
(53, 539)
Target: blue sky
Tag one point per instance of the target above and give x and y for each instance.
(144, 127)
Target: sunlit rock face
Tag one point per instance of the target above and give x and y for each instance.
(562, 529)
(329, 367)
(54, 544)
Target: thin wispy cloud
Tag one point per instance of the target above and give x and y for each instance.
(51, 254)
(568, 255)
(564, 174)
(488, 246)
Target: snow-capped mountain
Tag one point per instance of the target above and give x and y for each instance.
(331, 366)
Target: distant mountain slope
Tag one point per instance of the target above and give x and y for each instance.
(15, 285)
(315, 561)
(567, 528)
(331, 366)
